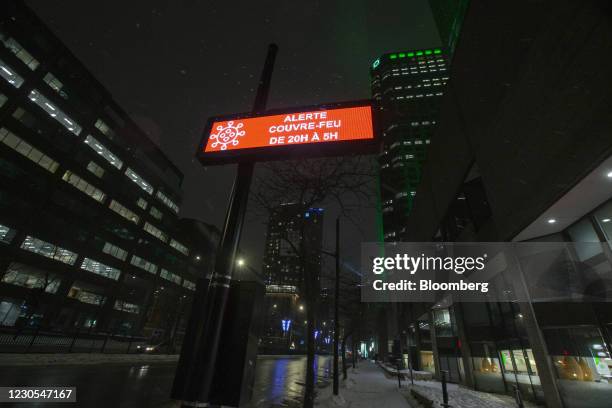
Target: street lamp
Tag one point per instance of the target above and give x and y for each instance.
(301, 307)
(240, 262)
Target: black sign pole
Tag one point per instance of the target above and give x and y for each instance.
(336, 308)
(200, 382)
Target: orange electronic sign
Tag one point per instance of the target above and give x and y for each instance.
(305, 132)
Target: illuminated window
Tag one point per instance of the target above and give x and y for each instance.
(104, 128)
(143, 264)
(172, 277)
(189, 284)
(156, 232)
(20, 146)
(7, 234)
(164, 199)
(10, 75)
(179, 247)
(100, 269)
(55, 84)
(55, 112)
(142, 203)
(49, 250)
(115, 251)
(139, 180)
(124, 212)
(95, 169)
(156, 213)
(19, 51)
(103, 151)
(85, 296)
(126, 307)
(84, 186)
(32, 278)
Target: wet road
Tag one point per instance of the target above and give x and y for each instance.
(277, 382)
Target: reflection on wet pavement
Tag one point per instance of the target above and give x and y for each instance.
(278, 382)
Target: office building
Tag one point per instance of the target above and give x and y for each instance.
(523, 153)
(407, 88)
(291, 228)
(89, 233)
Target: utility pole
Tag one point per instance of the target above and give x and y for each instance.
(200, 368)
(336, 307)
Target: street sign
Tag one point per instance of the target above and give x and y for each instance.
(313, 131)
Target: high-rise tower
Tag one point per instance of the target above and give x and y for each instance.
(407, 89)
(290, 228)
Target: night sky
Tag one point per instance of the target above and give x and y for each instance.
(173, 63)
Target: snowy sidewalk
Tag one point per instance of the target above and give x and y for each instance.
(461, 397)
(366, 387)
(406, 373)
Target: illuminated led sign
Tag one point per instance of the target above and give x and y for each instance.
(334, 129)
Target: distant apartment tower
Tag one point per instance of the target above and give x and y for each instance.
(290, 227)
(89, 233)
(407, 88)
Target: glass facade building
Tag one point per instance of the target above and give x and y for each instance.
(89, 235)
(492, 346)
(508, 166)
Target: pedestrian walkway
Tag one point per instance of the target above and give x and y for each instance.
(369, 386)
(366, 387)
(462, 397)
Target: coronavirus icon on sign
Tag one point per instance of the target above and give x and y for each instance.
(227, 135)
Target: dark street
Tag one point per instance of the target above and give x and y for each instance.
(277, 379)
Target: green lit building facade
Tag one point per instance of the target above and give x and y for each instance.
(407, 88)
(449, 15)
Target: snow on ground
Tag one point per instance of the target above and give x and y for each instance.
(406, 373)
(83, 358)
(459, 396)
(366, 387)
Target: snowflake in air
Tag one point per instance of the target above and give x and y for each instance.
(227, 135)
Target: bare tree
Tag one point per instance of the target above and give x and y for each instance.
(344, 182)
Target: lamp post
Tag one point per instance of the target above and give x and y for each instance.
(196, 370)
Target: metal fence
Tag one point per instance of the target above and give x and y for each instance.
(33, 341)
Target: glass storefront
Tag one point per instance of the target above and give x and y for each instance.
(427, 361)
(578, 342)
(487, 370)
(583, 366)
